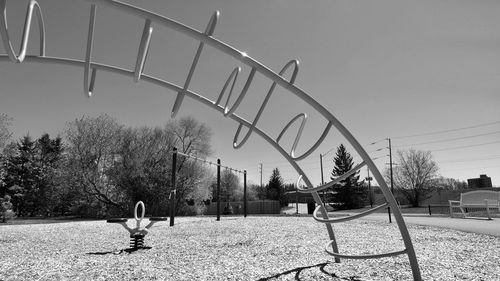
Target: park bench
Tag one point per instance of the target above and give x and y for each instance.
(481, 199)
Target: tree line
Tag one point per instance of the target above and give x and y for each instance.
(100, 168)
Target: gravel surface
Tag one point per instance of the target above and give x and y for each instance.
(236, 248)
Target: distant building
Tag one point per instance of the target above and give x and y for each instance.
(482, 181)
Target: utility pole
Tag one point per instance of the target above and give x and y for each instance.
(260, 175)
(390, 163)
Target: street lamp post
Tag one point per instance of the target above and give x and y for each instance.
(321, 166)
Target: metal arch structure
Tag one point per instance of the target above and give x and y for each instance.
(228, 110)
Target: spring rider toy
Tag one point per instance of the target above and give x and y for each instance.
(137, 234)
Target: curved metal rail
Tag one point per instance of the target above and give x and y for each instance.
(348, 218)
(206, 38)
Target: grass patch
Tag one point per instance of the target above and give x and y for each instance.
(235, 248)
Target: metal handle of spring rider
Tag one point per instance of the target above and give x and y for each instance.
(137, 234)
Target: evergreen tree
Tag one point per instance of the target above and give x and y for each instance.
(32, 175)
(49, 156)
(349, 193)
(276, 188)
(22, 177)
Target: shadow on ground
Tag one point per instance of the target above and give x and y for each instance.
(298, 270)
(128, 251)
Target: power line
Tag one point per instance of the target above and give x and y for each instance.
(464, 146)
(450, 139)
(471, 159)
(447, 131)
(377, 141)
(469, 168)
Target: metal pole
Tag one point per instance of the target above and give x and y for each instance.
(390, 163)
(392, 186)
(321, 165)
(369, 179)
(296, 201)
(174, 186)
(245, 193)
(218, 189)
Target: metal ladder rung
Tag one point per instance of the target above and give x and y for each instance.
(365, 213)
(375, 256)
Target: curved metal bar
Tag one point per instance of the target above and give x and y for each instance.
(344, 219)
(143, 211)
(335, 181)
(237, 145)
(314, 147)
(375, 256)
(229, 111)
(89, 89)
(33, 5)
(143, 50)
(299, 135)
(209, 31)
(232, 77)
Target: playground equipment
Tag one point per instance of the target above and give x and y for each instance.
(229, 111)
(137, 233)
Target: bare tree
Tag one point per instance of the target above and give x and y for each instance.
(92, 144)
(449, 184)
(142, 167)
(191, 137)
(230, 187)
(119, 166)
(414, 175)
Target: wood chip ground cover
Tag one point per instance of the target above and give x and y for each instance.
(235, 248)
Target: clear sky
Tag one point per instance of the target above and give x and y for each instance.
(424, 73)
